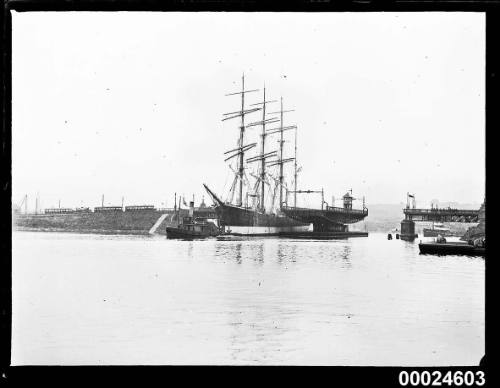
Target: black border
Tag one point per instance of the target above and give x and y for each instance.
(228, 374)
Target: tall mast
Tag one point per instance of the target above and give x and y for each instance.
(281, 153)
(240, 151)
(263, 155)
(295, 173)
(242, 132)
(262, 152)
(281, 160)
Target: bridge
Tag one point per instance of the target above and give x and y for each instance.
(434, 214)
(328, 219)
(441, 215)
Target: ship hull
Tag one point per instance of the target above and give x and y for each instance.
(248, 222)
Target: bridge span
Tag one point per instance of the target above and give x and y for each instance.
(441, 215)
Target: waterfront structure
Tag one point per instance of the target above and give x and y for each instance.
(413, 214)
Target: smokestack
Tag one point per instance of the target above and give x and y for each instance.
(191, 209)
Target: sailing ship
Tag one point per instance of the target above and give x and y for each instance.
(255, 211)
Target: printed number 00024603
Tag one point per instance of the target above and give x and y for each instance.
(437, 379)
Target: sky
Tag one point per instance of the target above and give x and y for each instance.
(126, 104)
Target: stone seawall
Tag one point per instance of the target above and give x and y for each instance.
(478, 231)
(128, 222)
(139, 222)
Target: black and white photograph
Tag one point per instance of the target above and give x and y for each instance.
(248, 188)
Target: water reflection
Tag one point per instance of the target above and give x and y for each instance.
(190, 249)
(229, 250)
(258, 252)
(280, 253)
(346, 257)
(238, 252)
(288, 252)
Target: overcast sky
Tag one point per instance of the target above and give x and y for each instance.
(130, 104)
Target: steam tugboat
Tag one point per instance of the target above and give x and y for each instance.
(192, 227)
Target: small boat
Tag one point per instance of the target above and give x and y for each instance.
(451, 248)
(438, 229)
(192, 227)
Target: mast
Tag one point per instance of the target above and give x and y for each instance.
(240, 151)
(242, 132)
(262, 152)
(281, 160)
(281, 154)
(295, 173)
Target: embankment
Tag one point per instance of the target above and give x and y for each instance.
(105, 223)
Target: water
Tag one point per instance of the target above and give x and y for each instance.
(89, 299)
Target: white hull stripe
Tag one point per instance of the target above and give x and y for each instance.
(248, 230)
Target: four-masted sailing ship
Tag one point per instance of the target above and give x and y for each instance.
(253, 212)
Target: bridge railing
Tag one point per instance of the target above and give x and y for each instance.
(441, 211)
(344, 210)
(329, 209)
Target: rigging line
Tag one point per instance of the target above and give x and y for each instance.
(233, 186)
(230, 196)
(225, 182)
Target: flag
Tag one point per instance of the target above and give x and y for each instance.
(184, 201)
(411, 196)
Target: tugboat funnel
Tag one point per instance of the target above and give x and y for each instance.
(191, 209)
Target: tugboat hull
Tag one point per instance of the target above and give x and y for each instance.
(178, 233)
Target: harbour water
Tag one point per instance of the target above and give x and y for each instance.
(91, 299)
